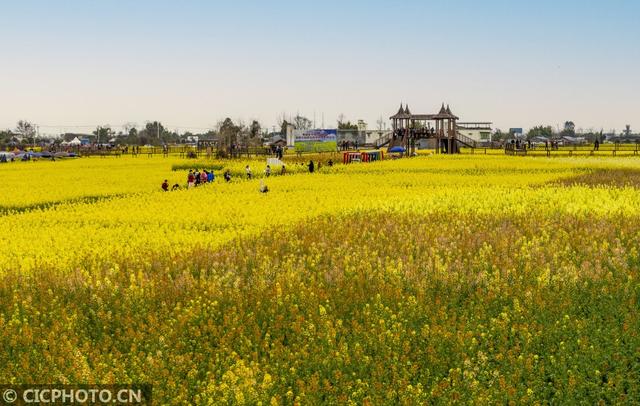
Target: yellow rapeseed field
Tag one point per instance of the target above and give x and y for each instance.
(471, 278)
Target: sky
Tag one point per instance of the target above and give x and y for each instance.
(73, 65)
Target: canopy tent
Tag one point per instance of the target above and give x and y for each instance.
(76, 141)
(7, 156)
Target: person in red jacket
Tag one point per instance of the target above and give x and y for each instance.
(191, 180)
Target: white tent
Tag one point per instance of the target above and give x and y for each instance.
(7, 155)
(75, 141)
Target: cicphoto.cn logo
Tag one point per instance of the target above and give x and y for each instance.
(76, 394)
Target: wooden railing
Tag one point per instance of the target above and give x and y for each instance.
(463, 139)
(381, 142)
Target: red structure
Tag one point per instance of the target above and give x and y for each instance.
(364, 156)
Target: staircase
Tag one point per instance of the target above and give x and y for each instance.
(384, 140)
(466, 141)
(397, 142)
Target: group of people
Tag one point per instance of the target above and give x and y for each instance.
(554, 144)
(267, 171)
(278, 151)
(196, 178)
(312, 167)
(347, 145)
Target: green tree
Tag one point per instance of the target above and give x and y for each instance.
(227, 136)
(103, 134)
(283, 128)
(254, 129)
(499, 135)
(5, 138)
(154, 129)
(345, 125)
(569, 129)
(155, 133)
(540, 131)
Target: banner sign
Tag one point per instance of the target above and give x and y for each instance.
(316, 140)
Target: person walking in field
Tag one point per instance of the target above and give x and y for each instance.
(248, 171)
(191, 180)
(210, 176)
(311, 167)
(204, 176)
(165, 185)
(196, 176)
(596, 145)
(267, 171)
(227, 176)
(283, 170)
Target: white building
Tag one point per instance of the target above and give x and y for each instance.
(477, 131)
(375, 137)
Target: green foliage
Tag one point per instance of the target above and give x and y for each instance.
(254, 129)
(347, 126)
(197, 164)
(103, 134)
(540, 131)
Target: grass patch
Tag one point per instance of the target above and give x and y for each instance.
(622, 177)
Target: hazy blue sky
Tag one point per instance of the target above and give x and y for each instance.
(191, 63)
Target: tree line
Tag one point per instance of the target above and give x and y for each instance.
(227, 133)
(547, 131)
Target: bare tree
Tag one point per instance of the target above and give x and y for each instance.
(301, 122)
(26, 130)
(281, 118)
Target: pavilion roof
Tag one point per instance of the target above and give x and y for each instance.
(403, 113)
(445, 113)
(451, 114)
